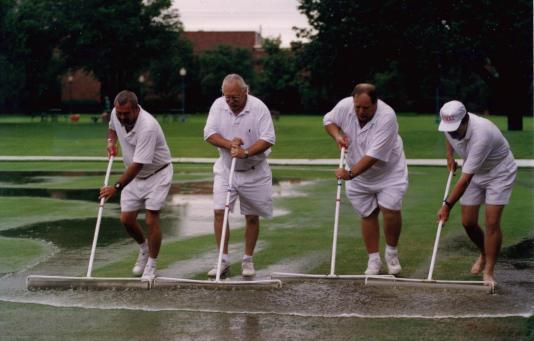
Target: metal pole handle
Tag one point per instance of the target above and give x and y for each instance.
(225, 220)
(98, 220)
(440, 225)
(336, 216)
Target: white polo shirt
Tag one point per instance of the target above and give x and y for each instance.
(145, 143)
(379, 139)
(483, 148)
(252, 124)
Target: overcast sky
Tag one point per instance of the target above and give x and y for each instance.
(273, 17)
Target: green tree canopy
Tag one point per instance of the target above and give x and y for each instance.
(117, 40)
(278, 85)
(216, 64)
(420, 49)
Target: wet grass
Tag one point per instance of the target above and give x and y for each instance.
(311, 219)
(141, 325)
(17, 212)
(16, 253)
(306, 230)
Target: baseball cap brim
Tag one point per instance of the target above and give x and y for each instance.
(449, 126)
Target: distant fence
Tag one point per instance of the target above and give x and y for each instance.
(278, 162)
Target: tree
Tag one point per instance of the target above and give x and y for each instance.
(426, 48)
(277, 82)
(118, 40)
(216, 64)
(30, 31)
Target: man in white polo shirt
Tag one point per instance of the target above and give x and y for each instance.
(240, 126)
(147, 179)
(488, 174)
(378, 176)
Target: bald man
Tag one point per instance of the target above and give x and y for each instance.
(378, 175)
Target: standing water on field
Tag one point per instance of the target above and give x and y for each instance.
(189, 214)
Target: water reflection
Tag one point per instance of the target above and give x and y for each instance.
(72, 233)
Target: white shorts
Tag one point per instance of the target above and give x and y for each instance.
(365, 198)
(492, 188)
(254, 188)
(149, 193)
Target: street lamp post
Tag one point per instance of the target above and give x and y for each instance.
(183, 73)
(69, 80)
(443, 28)
(141, 80)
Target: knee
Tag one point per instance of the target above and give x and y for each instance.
(252, 220)
(469, 223)
(493, 227)
(218, 215)
(128, 220)
(152, 219)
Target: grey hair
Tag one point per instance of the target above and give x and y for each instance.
(234, 77)
(124, 97)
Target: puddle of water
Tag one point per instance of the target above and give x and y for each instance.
(188, 213)
(71, 234)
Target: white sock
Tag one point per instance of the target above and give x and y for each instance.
(374, 255)
(151, 262)
(247, 258)
(225, 258)
(143, 247)
(391, 250)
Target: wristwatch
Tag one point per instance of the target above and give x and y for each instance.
(118, 186)
(448, 204)
(246, 153)
(351, 176)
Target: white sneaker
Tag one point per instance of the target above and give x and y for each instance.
(149, 273)
(247, 269)
(373, 266)
(225, 270)
(392, 261)
(140, 264)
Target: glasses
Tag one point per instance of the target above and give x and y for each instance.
(233, 98)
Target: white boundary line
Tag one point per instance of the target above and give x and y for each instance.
(528, 163)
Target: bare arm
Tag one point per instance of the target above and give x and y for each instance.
(112, 143)
(218, 141)
(337, 134)
(126, 177)
(456, 194)
(360, 167)
(451, 163)
(257, 147)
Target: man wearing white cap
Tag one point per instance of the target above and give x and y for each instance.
(378, 174)
(488, 174)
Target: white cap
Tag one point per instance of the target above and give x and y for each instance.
(451, 115)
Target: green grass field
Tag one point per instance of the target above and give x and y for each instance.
(297, 137)
(310, 218)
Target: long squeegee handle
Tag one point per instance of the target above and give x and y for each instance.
(98, 219)
(440, 225)
(225, 220)
(336, 216)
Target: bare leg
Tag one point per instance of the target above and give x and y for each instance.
(370, 232)
(392, 225)
(154, 233)
(129, 220)
(493, 239)
(252, 232)
(475, 233)
(217, 227)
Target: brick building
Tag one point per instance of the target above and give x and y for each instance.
(81, 86)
